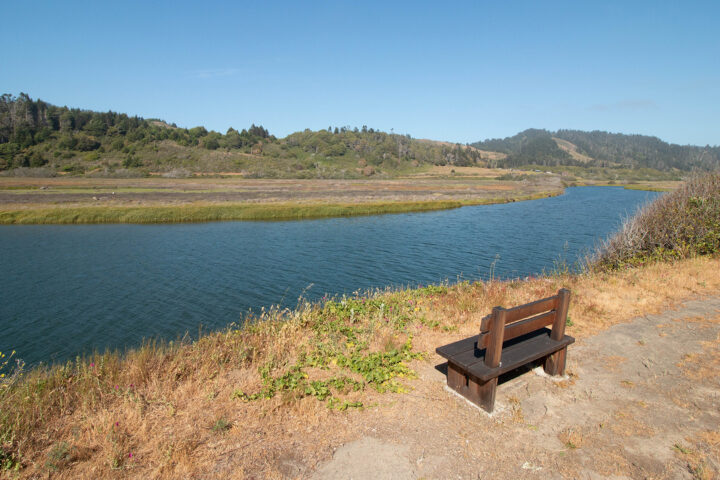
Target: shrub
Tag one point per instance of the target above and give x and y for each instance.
(680, 224)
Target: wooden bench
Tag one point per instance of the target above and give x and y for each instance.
(508, 339)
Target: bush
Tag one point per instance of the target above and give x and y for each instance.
(86, 144)
(680, 224)
(132, 161)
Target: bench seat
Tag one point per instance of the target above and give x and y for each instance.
(517, 352)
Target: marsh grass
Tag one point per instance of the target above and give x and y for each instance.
(226, 212)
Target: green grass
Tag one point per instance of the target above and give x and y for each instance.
(647, 188)
(212, 213)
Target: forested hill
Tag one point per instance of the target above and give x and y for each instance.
(597, 148)
(37, 138)
(44, 138)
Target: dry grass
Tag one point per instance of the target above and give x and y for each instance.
(680, 224)
(152, 412)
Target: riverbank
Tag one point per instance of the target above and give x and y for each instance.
(159, 200)
(276, 397)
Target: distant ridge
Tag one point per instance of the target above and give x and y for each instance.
(601, 149)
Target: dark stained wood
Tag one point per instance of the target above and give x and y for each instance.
(480, 393)
(484, 392)
(518, 313)
(555, 363)
(528, 325)
(517, 329)
(518, 352)
(509, 340)
(495, 341)
(485, 323)
(460, 346)
(558, 329)
(456, 379)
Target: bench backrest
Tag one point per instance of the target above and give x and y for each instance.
(508, 323)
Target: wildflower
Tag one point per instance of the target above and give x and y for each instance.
(130, 455)
(92, 365)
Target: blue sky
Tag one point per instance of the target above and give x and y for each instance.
(460, 72)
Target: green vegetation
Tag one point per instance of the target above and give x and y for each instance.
(221, 425)
(573, 174)
(37, 138)
(341, 343)
(599, 149)
(680, 224)
(647, 188)
(221, 212)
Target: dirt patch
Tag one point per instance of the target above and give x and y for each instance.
(636, 404)
(368, 458)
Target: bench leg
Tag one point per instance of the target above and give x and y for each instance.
(456, 379)
(555, 363)
(482, 394)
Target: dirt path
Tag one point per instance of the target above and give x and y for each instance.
(642, 400)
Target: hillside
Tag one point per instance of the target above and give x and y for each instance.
(599, 149)
(40, 139)
(50, 139)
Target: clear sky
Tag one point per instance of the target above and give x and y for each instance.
(455, 71)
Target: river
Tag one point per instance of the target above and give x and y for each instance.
(71, 289)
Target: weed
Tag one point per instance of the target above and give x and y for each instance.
(58, 457)
(682, 449)
(221, 425)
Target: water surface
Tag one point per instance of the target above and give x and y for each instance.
(70, 289)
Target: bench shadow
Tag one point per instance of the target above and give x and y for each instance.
(505, 377)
